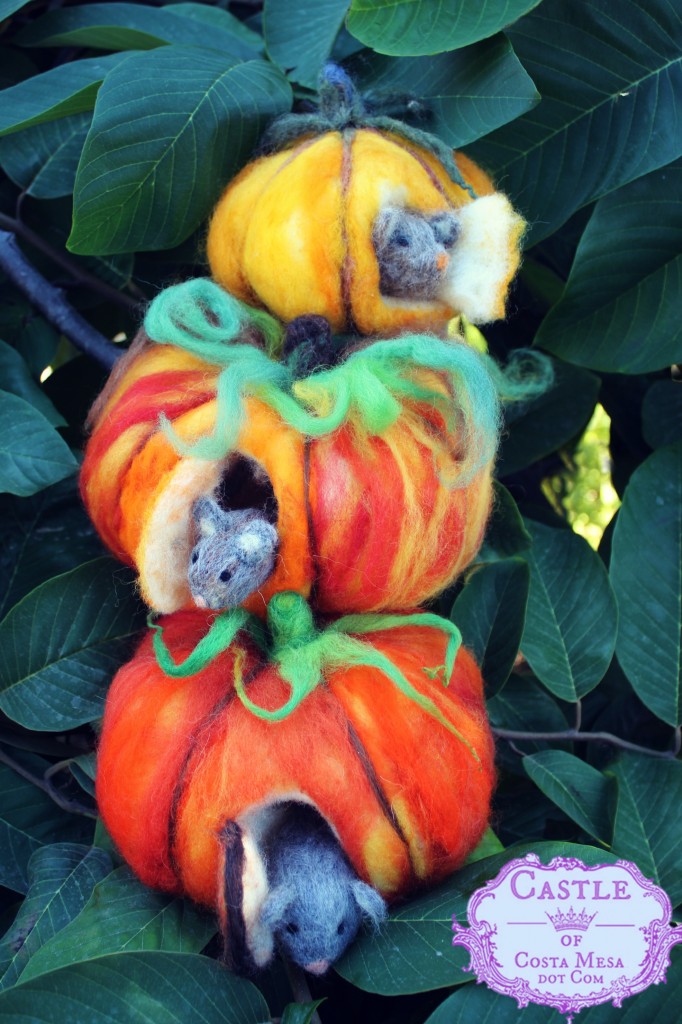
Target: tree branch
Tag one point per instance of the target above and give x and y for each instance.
(50, 301)
(582, 737)
(66, 804)
(79, 274)
(299, 986)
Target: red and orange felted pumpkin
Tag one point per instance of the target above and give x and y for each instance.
(377, 472)
(305, 229)
(190, 780)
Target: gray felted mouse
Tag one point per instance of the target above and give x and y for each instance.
(316, 901)
(413, 250)
(234, 555)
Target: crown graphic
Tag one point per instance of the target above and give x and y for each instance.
(571, 920)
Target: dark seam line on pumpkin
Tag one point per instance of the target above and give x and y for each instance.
(236, 954)
(423, 164)
(373, 780)
(312, 542)
(179, 790)
(346, 168)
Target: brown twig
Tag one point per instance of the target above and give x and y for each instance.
(78, 274)
(50, 301)
(583, 737)
(66, 804)
(299, 987)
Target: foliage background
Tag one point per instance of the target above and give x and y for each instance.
(119, 125)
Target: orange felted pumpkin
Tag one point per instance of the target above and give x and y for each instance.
(190, 780)
(304, 229)
(376, 473)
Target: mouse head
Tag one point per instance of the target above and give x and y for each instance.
(413, 251)
(234, 554)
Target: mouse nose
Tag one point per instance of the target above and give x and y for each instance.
(442, 260)
(317, 967)
(200, 602)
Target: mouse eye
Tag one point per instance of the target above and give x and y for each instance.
(195, 556)
(292, 928)
(225, 575)
(341, 929)
(401, 240)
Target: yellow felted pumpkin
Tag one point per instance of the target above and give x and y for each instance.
(297, 230)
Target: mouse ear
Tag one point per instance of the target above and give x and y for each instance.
(276, 905)
(370, 902)
(207, 516)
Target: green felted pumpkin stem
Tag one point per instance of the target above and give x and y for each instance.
(219, 637)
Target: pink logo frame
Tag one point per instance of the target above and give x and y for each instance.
(557, 911)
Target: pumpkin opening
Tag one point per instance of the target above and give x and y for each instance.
(244, 485)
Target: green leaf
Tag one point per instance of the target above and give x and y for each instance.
(467, 92)
(419, 27)
(488, 846)
(61, 878)
(579, 790)
(32, 454)
(413, 952)
(524, 706)
(299, 37)
(539, 427)
(8, 7)
(609, 73)
(123, 916)
(43, 160)
(647, 826)
(490, 612)
(572, 618)
(66, 89)
(300, 1013)
(148, 145)
(30, 819)
(16, 378)
(121, 26)
(662, 413)
(57, 678)
(646, 569)
(217, 18)
(138, 988)
(618, 312)
(41, 537)
(505, 534)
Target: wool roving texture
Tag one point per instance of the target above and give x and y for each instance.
(378, 471)
(180, 757)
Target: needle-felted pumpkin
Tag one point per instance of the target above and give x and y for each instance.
(365, 221)
(355, 720)
(376, 473)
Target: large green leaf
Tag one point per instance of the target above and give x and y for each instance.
(505, 534)
(66, 89)
(8, 7)
(122, 26)
(490, 612)
(539, 427)
(648, 829)
(610, 73)
(138, 988)
(218, 18)
(155, 159)
(15, 377)
(124, 916)
(467, 92)
(299, 37)
(32, 454)
(30, 819)
(57, 677)
(43, 159)
(416, 27)
(524, 706)
(61, 878)
(413, 952)
(577, 788)
(619, 309)
(41, 537)
(646, 569)
(662, 413)
(571, 619)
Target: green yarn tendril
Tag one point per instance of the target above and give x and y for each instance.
(303, 654)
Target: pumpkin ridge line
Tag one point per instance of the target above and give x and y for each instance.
(312, 540)
(347, 140)
(433, 177)
(236, 955)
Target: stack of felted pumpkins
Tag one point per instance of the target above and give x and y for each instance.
(293, 471)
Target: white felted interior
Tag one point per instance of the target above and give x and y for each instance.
(481, 260)
(168, 537)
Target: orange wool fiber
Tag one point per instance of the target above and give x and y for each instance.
(180, 758)
(365, 522)
(293, 233)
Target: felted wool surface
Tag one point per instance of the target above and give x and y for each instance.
(294, 233)
(181, 758)
(379, 496)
